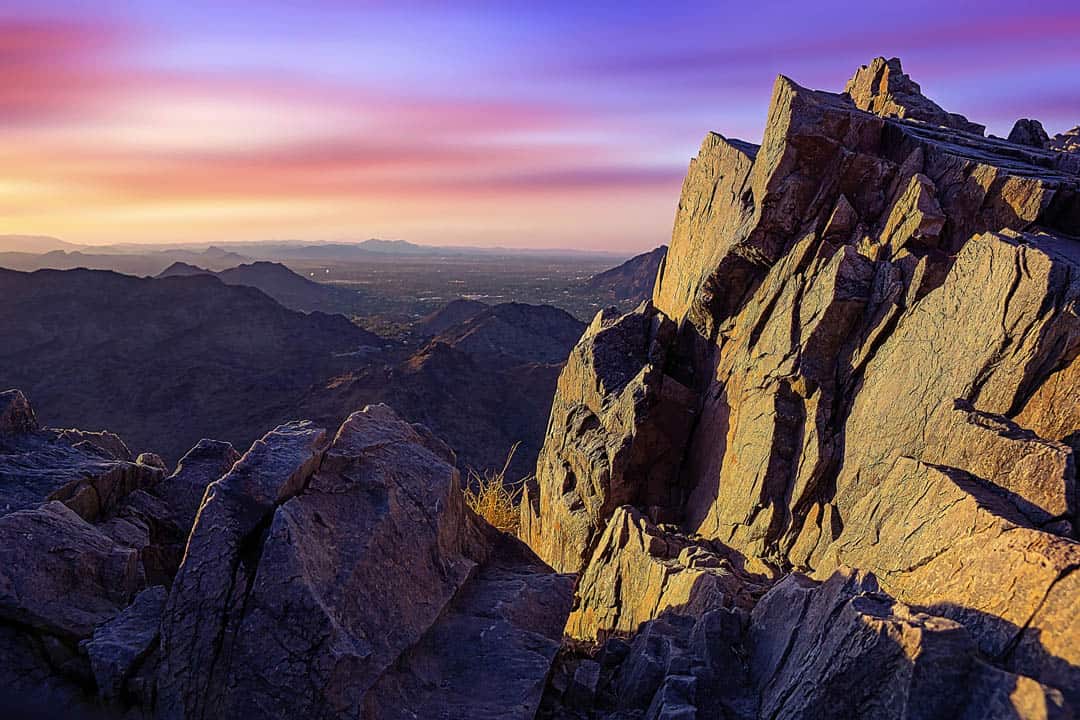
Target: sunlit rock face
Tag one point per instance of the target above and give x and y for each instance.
(875, 328)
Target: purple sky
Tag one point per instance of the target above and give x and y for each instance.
(511, 123)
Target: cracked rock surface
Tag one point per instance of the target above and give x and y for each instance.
(876, 328)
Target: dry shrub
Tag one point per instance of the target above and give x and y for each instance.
(494, 499)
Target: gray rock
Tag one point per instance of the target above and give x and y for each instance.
(120, 644)
(16, 415)
(1029, 132)
(60, 575)
(183, 491)
(618, 424)
(198, 626)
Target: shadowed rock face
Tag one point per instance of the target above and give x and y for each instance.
(323, 577)
(874, 320)
(327, 580)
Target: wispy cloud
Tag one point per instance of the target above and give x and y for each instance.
(508, 123)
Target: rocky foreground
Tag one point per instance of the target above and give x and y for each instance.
(827, 471)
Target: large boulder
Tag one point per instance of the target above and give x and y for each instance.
(61, 575)
(202, 465)
(16, 415)
(844, 649)
(120, 644)
(883, 88)
(350, 580)
(91, 473)
(638, 572)
(210, 588)
(490, 653)
(615, 436)
(943, 539)
(1029, 132)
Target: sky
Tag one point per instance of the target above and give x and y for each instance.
(519, 124)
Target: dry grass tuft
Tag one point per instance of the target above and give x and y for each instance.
(492, 498)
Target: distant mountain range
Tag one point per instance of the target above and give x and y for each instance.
(34, 244)
(279, 282)
(147, 262)
(221, 255)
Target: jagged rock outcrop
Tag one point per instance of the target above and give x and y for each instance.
(120, 644)
(183, 490)
(614, 438)
(329, 580)
(1068, 141)
(877, 327)
(1029, 132)
(89, 472)
(211, 585)
(16, 415)
(843, 649)
(883, 88)
(61, 575)
(321, 578)
(638, 573)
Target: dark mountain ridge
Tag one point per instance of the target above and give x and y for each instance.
(629, 283)
(163, 361)
(291, 289)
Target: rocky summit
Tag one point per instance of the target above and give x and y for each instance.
(827, 470)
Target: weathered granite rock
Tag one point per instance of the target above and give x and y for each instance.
(676, 665)
(16, 415)
(1029, 132)
(120, 644)
(183, 491)
(489, 654)
(1068, 141)
(152, 459)
(942, 539)
(60, 575)
(91, 473)
(103, 443)
(883, 88)
(761, 465)
(843, 649)
(638, 572)
(878, 321)
(988, 337)
(199, 623)
(719, 175)
(615, 437)
(352, 581)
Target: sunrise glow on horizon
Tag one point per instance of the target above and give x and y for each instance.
(511, 124)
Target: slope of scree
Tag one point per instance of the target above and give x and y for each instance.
(862, 351)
